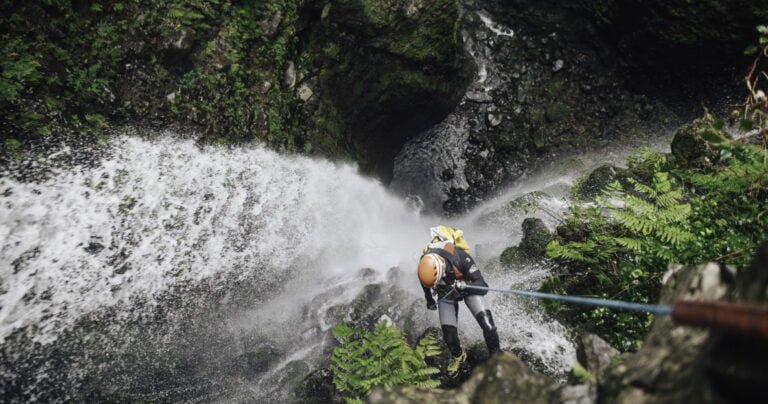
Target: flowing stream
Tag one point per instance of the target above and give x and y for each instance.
(174, 272)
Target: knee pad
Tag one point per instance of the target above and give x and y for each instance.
(485, 319)
(451, 337)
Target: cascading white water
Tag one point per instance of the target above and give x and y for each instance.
(158, 215)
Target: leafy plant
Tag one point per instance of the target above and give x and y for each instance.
(619, 247)
(367, 359)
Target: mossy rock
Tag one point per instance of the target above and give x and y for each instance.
(513, 257)
(697, 144)
(598, 179)
(572, 232)
(525, 204)
(536, 235)
(533, 246)
(317, 388)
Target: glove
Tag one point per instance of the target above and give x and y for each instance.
(460, 285)
(431, 306)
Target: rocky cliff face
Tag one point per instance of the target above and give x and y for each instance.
(347, 79)
(374, 73)
(546, 87)
(556, 79)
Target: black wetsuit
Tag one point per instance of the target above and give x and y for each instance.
(449, 301)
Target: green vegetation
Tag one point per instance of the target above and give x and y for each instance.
(367, 359)
(582, 374)
(620, 246)
(320, 77)
(705, 202)
(71, 67)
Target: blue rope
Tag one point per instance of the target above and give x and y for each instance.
(589, 301)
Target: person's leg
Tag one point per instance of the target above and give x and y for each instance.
(483, 316)
(449, 315)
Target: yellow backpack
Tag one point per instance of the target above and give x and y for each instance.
(447, 233)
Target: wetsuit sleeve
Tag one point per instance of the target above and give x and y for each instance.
(428, 296)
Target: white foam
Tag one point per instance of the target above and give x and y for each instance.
(174, 212)
(497, 29)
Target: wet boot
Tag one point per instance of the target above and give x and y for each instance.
(485, 319)
(455, 365)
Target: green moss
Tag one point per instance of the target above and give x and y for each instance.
(581, 374)
(14, 148)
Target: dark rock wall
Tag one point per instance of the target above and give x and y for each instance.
(574, 77)
(547, 86)
(388, 70)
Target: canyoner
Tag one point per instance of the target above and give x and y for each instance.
(444, 270)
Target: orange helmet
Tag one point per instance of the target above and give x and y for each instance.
(431, 270)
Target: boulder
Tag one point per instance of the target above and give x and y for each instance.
(533, 246)
(258, 360)
(503, 379)
(685, 364)
(595, 354)
(696, 144)
(536, 235)
(513, 257)
(598, 179)
(510, 212)
(317, 388)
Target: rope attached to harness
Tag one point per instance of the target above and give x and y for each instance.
(588, 301)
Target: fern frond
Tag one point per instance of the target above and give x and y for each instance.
(631, 244)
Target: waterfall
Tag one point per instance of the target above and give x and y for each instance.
(160, 272)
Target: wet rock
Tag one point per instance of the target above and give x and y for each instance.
(697, 144)
(532, 247)
(391, 73)
(494, 119)
(305, 92)
(289, 78)
(503, 379)
(536, 235)
(653, 35)
(270, 25)
(595, 354)
(554, 116)
(578, 394)
(675, 362)
(557, 65)
(181, 40)
(326, 11)
(479, 96)
(259, 360)
(512, 258)
(94, 247)
(317, 388)
(265, 87)
(598, 179)
(557, 112)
